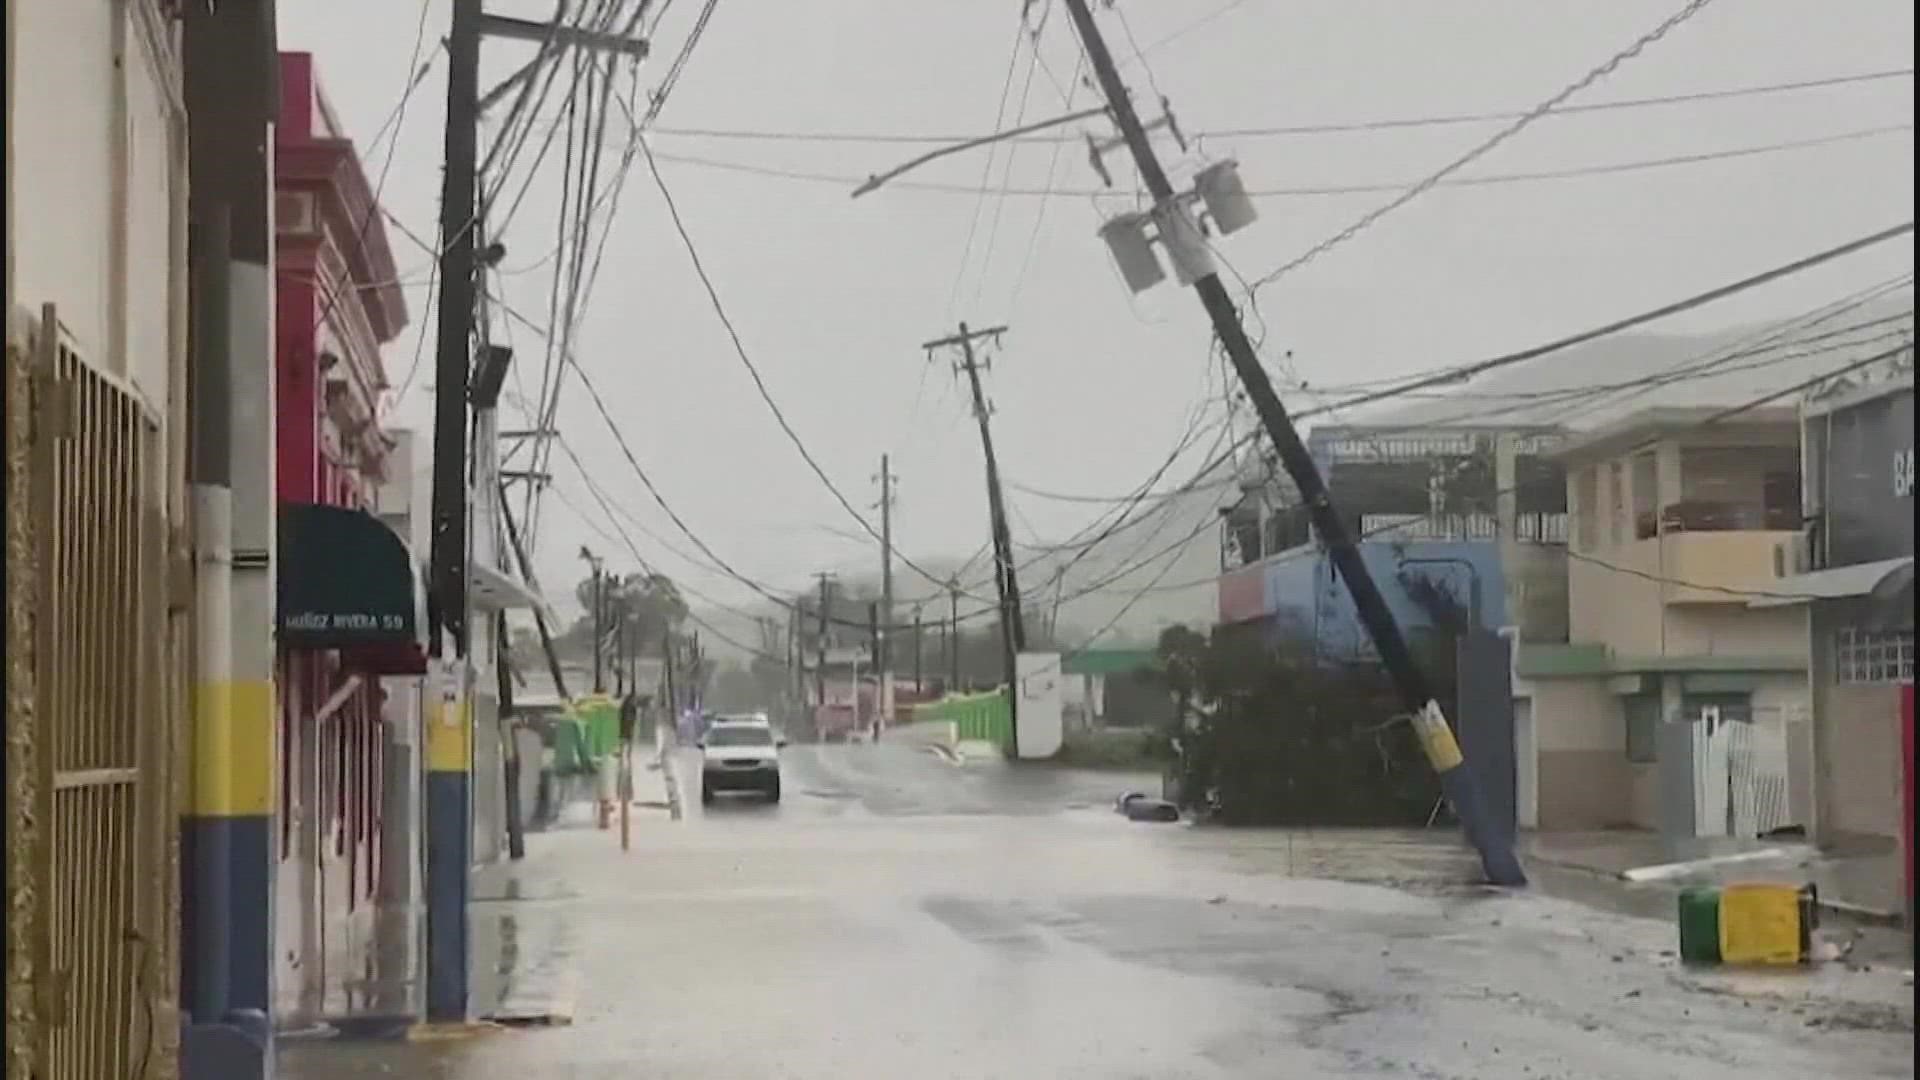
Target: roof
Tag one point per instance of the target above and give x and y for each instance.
(1835, 583)
(501, 590)
(1637, 427)
(1109, 661)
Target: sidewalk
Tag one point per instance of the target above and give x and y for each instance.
(1857, 888)
(524, 953)
(1864, 881)
(521, 954)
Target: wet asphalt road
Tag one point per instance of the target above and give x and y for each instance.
(897, 916)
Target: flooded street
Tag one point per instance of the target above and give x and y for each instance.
(896, 915)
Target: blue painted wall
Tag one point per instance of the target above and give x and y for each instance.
(1304, 597)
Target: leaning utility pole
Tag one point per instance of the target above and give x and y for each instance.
(539, 614)
(1013, 634)
(1443, 751)
(883, 625)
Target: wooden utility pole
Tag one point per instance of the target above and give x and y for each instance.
(1013, 634)
(539, 615)
(953, 636)
(450, 738)
(820, 642)
(883, 623)
(1495, 844)
(596, 603)
(667, 649)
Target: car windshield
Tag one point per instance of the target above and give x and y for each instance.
(739, 735)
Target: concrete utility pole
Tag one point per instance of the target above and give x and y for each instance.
(1443, 751)
(1013, 634)
(919, 670)
(883, 625)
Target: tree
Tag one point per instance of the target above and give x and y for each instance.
(1283, 737)
(650, 605)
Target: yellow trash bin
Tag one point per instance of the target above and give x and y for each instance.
(1765, 924)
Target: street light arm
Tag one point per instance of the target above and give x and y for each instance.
(999, 136)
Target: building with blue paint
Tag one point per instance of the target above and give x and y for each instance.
(1478, 512)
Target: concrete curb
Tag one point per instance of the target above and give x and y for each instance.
(969, 749)
(1854, 912)
(1861, 913)
(451, 1032)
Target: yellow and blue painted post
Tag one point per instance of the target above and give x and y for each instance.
(213, 790)
(228, 841)
(449, 838)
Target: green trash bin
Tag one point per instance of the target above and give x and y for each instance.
(1700, 925)
(571, 752)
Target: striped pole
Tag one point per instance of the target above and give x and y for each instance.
(449, 839)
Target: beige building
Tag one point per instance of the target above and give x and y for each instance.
(1675, 518)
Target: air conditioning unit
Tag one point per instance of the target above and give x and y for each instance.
(1792, 556)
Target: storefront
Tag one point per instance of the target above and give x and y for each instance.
(1855, 578)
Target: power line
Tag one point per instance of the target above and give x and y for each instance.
(692, 616)
(417, 73)
(1606, 68)
(986, 171)
(1461, 373)
(753, 370)
(713, 558)
(658, 99)
(1468, 371)
(1301, 191)
(1285, 130)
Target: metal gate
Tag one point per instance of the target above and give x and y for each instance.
(103, 714)
(1740, 775)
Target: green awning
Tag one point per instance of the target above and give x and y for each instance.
(1110, 661)
(346, 582)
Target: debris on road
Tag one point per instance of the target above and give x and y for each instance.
(1145, 809)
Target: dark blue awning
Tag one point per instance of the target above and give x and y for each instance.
(347, 582)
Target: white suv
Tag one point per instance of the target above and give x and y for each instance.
(740, 757)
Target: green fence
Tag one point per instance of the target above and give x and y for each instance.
(975, 717)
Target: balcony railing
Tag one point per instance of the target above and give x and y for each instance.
(1705, 516)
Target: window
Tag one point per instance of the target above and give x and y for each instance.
(1586, 510)
(1727, 488)
(1872, 656)
(1642, 713)
(1727, 708)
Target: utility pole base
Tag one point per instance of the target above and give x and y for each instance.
(1498, 859)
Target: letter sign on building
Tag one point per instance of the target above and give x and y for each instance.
(1903, 473)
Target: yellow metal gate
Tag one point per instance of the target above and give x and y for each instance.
(103, 717)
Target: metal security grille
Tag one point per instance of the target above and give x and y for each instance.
(103, 712)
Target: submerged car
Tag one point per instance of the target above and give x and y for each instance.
(740, 757)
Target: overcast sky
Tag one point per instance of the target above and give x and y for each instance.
(833, 296)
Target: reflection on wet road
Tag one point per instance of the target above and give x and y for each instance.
(896, 915)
